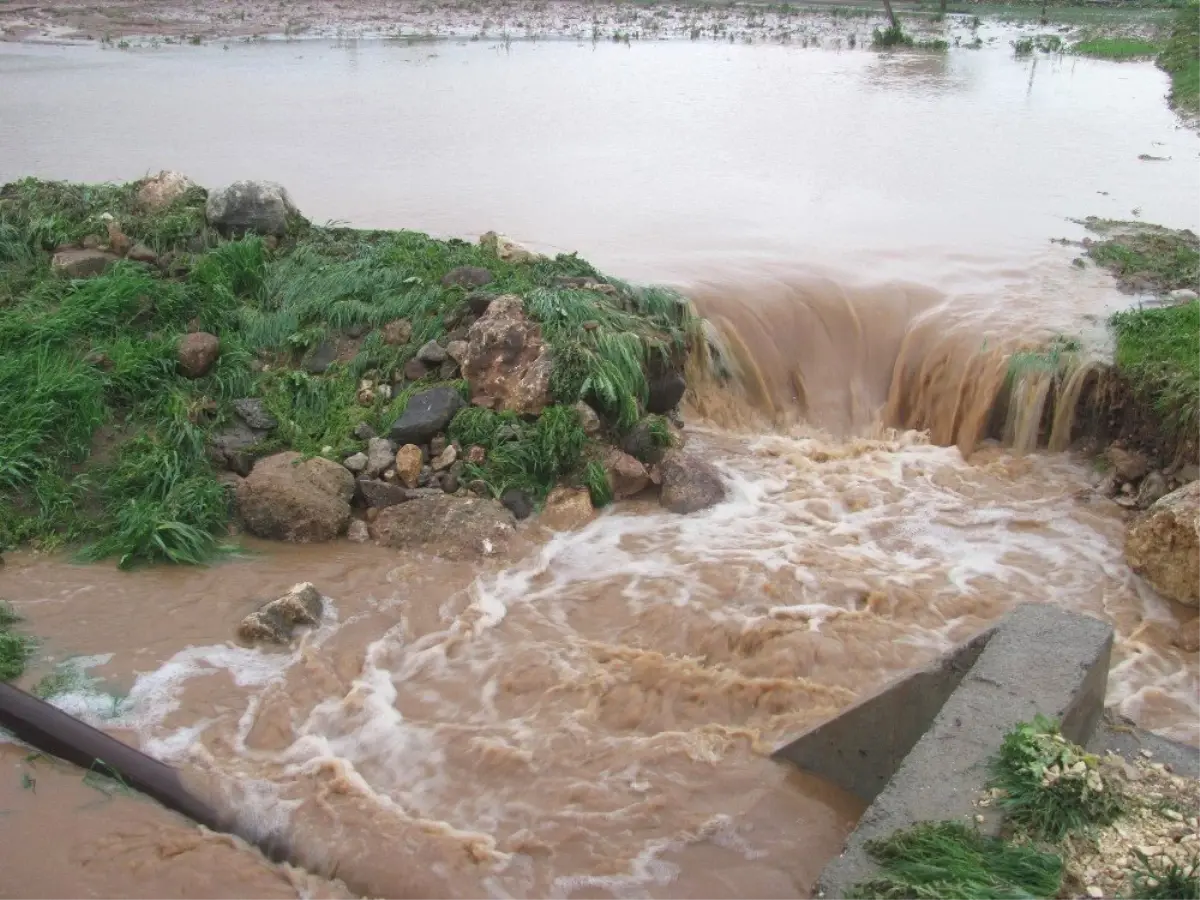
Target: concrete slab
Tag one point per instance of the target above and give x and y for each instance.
(1039, 659)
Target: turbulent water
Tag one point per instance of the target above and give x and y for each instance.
(592, 715)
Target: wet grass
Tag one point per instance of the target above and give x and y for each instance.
(105, 445)
(15, 649)
(1144, 257)
(1116, 48)
(1180, 58)
(1158, 352)
(1165, 881)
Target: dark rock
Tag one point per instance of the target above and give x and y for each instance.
(273, 622)
(452, 527)
(381, 494)
(263, 207)
(197, 352)
(432, 354)
(233, 448)
(425, 476)
(438, 444)
(641, 445)
(467, 277)
(321, 358)
(287, 497)
(447, 370)
(517, 502)
(458, 334)
(415, 370)
(589, 420)
(689, 484)
(356, 462)
(254, 413)
(354, 332)
(143, 254)
(363, 431)
(1152, 489)
(627, 477)
(82, 263)
(478, 303)
(665, 392)
(479, 487)
(450, 483)
(427, 414)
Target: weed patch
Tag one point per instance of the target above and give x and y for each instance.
(1116, 48)
(15, 649)
(1180, 58)
(1158, 351)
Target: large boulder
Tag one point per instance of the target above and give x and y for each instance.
(263, 207)
(197, 352)
(289, 498)
(82, 263)
(159, 191)
(452, 527)
(689, 484)
(273, 622)
(426, 415)
(1163, 546)
(508, 364)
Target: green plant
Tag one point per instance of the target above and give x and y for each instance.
(15, 649)
(1051, 787)
(892, 36)
(1155, 880)
(1022, 46)
(1157, 353)
(595, 479)
(1180, 57)
(1116, 48)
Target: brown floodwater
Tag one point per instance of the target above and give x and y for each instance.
(593, 715)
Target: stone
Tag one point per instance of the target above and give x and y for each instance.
(426, 414)
(450, 482)
(274, 622)
(397, 333)
(479, 486)
(321, 358)
(1187, 638)
(263, 207)
(626, 476)
(363, 431)
(286, 497)
(641, 443)
(1128, 465)
(1152, 489)
(437, 444)
(82, 263)
(141, 253)
(447, 370)
(357, 330)
(409, 461)
(356, 463)
(1109, 485)
(1163, 546)
(567, 509)
(665, 392)
(197, 351)
(477, 303)
(159, 191)
(381, 494)
(447, 526)
(425, 477)
(432, 354)
(381, 453)
(365, 395)
(118, 241)
(1182, 295)
(233, 447)
(445, 459)
(1188, 473)
(254, 413)
(467, 277)
(689, 484)
(476, 455)
(507, 250)
(508, 364)
(358, 532)
(517, 502)
(589, 419)
(415, 370)
(457, 351)
(1095, 891)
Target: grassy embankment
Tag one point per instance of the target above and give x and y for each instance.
(104, 444)
(1180, 59)
(1052, 793)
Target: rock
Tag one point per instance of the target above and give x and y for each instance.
(457, 351)
(82, 263)
(467, 277)
(479, 486)
(321, 358)
(641, 444)
(159, 191)
(1182, 295)
(232, 448)
(1128, 465)
(446, 459)
(89, 242)
(452, 527)
(689, 484)
(476, 455)
(118, 241)
(357, 330)
(427, 414)
(415, 370)
(1163, 546)
(409, 460)
(447, 370)
(273, 622)
(1188, 473)
(450, 482)
(356, 463)
(425, 477)
(363, 431)
(263, 207)
(567, 508)
(1152, 489)
(365, 395)
(517, 502)
(143, 254)
(626, 476)
(477, 303)
(381, 494)
(254, 413)
(397, 333)
(432, 354)
(509, 251)
(381, 453)
(1109, 485)
(197, 352)
(665, 392)
(358, 532)
(508, 363)
(437, 444)
(589, 420)
(1188, 637)
(287, 497)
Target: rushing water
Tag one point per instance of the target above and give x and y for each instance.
(591, 716)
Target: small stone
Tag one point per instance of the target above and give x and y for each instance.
(450, 483)
(432, 353)
(397, 333)
(415, 370)
(1149, 851)
(358, 532)
(1182, 295)
(356, 463)
(479, 487)
(457, 351)
(437, 444)
(476, 455)
(1193, 822)
(381, 494)
(425, 476)
(1131, 773)
(409, 461)
(197, 352)
(1095, 891)
(1173, 814)
(1129, 465)
(1146, 753)
(978, 818)
(381, 453)
(517, 502)
(588, 419)
(254, 413)
(143, 254)
(363, 431)
(446, 459)
(321, 358)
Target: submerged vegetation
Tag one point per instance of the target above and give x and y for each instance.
(15, 648)
(105, 443)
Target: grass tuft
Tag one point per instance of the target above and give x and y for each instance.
(1180, 58)
(1158, 351)
(1116, 48)
(1165, 881)
(15, 649)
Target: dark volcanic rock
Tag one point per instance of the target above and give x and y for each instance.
(517, 502)
(666, 390)
(321, 358)
(427, 414)
(254, 413)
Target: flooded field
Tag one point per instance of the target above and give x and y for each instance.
(591, 715)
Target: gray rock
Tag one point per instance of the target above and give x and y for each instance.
(447, 370)
(641, 444)
(689, 484)
(432, 354)
(517, 502)
(381, 494)
(450, 482)
(250, 206)
(381, 453)
(274, 622)
(358, 532)
(356, 463)
(447, 526)
(321, 358)
(665, 392)
(438, 444)
(445, 459)
(478, 303)
(82, 263)
(457, 350)
(1189, 473)
(415, 370)
(467, 277)
(233, 448)
(363, 431)
(427, 414)
(254, 413)
(1152, 489)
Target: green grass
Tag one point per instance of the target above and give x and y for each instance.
(1146, 257)
(1160, 881)
(892, 36)
(1158, 351)
(104, 445)
(15, 649)
(1180, 58)
(1116, 48)
(949, 860)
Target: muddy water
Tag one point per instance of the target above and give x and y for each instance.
(591, 717)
